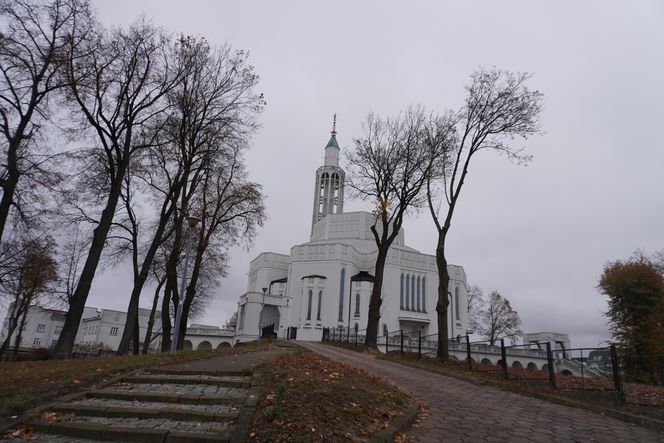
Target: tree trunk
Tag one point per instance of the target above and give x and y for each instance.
(65, 344)
(11, 327)
(375, 301)
(19, 335)
(443, 301)
(139, 282)
(13, 173)
(166, 329)
(148, 333)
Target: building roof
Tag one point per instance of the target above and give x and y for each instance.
(363, 276)
(333, 142)
(313, 276)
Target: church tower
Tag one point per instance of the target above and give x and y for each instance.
(329, 192)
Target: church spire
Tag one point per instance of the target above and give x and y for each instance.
(329, 191)
(333, 139)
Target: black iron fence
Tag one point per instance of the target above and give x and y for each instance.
(569, 369)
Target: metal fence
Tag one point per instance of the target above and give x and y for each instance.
(570, 369)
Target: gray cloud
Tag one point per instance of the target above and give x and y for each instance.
(540, 234)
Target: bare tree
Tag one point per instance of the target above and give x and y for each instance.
(33, 48)
(117, 84)
(498, 320)
(213, 108)
(34, 274)
(476, 304)
(231, 209)
(390, 165)
(499, 108)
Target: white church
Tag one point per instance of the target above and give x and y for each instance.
(327, 281)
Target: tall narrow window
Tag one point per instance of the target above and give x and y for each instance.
(342, 283)
(456, 303)
(320, 301)
(419, 294)
(401, 292)
(412, 292)
(424, 294)
(407, 292)
(311, 296)
(357, 304)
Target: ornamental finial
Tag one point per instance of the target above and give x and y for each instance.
(334, 125)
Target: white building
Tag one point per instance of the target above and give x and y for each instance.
(104, 327)
(327, 281)
(41, 330)
(98, 328)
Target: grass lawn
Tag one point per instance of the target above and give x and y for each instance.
(27, 384)
(308, 398)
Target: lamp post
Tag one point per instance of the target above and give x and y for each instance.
(191, 223)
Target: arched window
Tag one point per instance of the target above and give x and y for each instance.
(311, 296)
(419, 294)
(357, 304)
(424, 294)
(401, 292)
(342, 283)
(320, 301)
(456, 303)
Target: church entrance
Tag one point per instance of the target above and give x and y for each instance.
(268, 332)
(269, 321)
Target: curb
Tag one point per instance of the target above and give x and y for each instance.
(243, 422)
(399, 424)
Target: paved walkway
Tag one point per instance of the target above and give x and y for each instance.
(464, 412)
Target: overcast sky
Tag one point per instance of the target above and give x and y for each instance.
(540, 234)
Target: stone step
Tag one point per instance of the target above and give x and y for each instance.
(135, 430)
(123, 412)
(165, 397)
(235, 381)
(133, 404)
(180, 388)
(242, 372)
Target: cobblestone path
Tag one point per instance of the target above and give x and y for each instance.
(207, 400)
(464, 412)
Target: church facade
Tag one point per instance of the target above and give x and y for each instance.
(327, 281)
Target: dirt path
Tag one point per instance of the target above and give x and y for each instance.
(461, 411)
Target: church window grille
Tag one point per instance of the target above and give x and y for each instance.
(419, 281)
(357, 304)
(342, 283)
(114, 331)
(401, 292)
(320, 301)
(311, 296)
(456, 303)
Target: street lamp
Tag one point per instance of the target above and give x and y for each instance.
(192, 221)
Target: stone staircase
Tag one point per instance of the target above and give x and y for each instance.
(156, 405)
